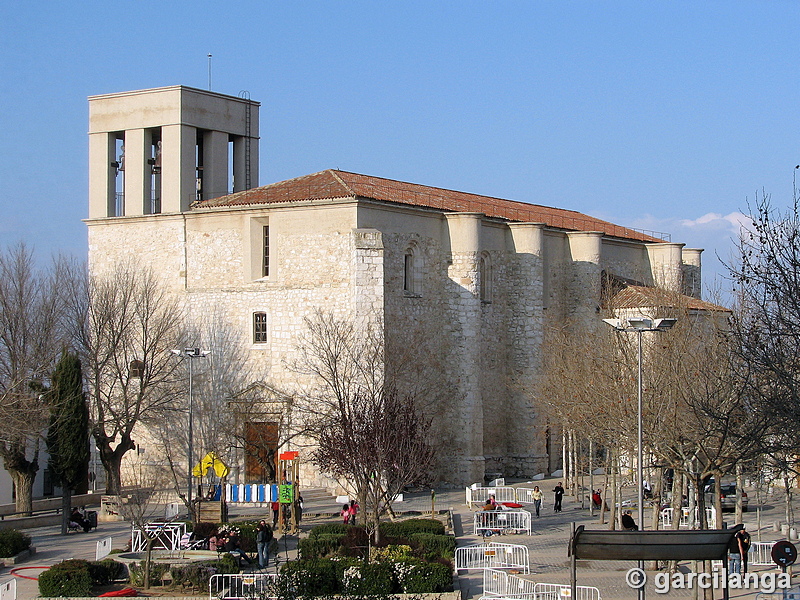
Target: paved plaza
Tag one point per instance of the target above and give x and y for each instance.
(547, 545)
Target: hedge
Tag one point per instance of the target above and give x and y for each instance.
(432, 546)
(316, 577)
(320, 546)
(423, 577)
(71, 578)
(320, 577)
(12, 542)
(398, 529)
(328, 529)
(369, 579)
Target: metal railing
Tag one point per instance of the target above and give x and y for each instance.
(241, 586)
(555, 591)
(760, 554)
(525, 495)
(493, 556)
(8, 590)
(665, 516)
(500, 583)
(165, 536)
(489, 522)
(478, 495)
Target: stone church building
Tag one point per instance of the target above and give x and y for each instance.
(174, 181)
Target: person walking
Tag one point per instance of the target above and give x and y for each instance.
(737, 551)
(558, 491)
(276, 509)
(263, 539)
(537, 496)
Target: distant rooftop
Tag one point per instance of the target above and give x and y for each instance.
(332, 183)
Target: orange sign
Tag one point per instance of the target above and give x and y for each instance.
(288, 455)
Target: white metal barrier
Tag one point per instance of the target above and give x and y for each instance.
(479, 495)
(103, 548)
(165, 536)
(760, 554)
(242, 586)
(493, 556)
(490, 522)
(172, 510)
(505, 585)
(665, 516)
(553, 591)
(525, 495)
(8, 590)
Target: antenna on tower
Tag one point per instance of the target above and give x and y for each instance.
(209, 71)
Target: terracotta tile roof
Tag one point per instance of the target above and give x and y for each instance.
(637, 296)
(332, 183)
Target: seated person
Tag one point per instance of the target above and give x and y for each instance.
(628, 524)
(77, 517)
(232, 546)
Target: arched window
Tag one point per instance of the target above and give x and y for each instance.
(412, 271)
(485, 278)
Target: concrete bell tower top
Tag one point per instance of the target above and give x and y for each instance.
(159, 150)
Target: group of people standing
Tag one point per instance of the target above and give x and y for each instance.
(349, 512)
(537, 495)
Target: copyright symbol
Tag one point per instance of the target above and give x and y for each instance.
(635, 578)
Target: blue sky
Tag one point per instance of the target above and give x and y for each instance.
(666, 116)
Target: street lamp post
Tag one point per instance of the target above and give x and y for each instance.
(639, 326)
(191, 354)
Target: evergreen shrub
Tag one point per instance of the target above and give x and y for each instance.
(67, 579)
(12, 542)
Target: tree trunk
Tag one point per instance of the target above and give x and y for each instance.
(739, 490)
(23, 473)
(66, 509)
(612, 519)
(148, 556)
(23, 487)
(701, 502)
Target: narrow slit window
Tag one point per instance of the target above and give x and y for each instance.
(408, 273)
(265, 257)
(259, 328)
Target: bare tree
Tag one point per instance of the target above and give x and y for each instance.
(126, 323)
(233, 414)
(767, 325)
(31, 335)
(369, 436)
(143, 504)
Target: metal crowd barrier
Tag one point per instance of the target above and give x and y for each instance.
(241, 586)
(478, 495)
(554, 591)
(525, 495)
(665, 516)
(499, 583)
(493, 556)
(760, 554)
(489, 522)
(167, 536)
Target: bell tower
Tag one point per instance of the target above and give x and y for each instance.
(158, 150)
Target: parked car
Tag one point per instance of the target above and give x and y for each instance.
(727, 496)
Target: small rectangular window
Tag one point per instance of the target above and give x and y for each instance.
(259, 328)
(265, 257)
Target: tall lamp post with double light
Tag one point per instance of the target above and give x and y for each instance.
(191, 354)
(639, 326)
